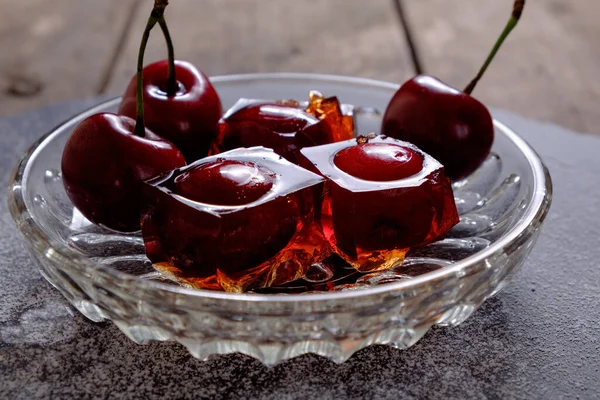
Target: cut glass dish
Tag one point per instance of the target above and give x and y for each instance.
(331, 312)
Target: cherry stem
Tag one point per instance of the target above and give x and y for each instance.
(156, 14)
(172, 85)
(512, 22)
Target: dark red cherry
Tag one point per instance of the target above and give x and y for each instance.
(450, 125)
(379, 161)
(189, 118)
(225, 182)
(104, 164)
(284, 129)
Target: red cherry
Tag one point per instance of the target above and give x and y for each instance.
(189, 118)
(282, 128)
(379, 162)
(449, 124)
(104, 163)
(452, 126)
(225, 182)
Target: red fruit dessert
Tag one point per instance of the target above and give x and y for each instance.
(246, 216)
(383, 197)
(283, 127)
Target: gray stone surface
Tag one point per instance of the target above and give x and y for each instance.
(540, 338)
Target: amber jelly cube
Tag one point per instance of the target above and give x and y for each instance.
(383, 197)
(285, 126)
(241, 220)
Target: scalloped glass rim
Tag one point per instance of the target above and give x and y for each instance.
(534, 214)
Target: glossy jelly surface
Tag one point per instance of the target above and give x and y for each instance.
(265, 236)
(286, 126)
(373, 223)
(379, 161)
(225, 182)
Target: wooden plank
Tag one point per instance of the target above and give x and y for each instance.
(55, 50)
(548, 68)
(238, 36)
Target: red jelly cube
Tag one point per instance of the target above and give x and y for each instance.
(284, 127)
(383, 197)
(243, 219)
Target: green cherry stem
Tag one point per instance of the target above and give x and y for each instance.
(172, 85)
(156, 14)
(512, 22)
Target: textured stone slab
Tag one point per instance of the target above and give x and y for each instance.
(548, 68)
(539, 338)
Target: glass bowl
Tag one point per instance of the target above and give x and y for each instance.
(106, 275)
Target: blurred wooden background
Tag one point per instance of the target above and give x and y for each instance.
(61, 50)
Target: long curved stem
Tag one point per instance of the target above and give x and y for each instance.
(157, 13)
(140, 128)
(172, 78)
(512, 22)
